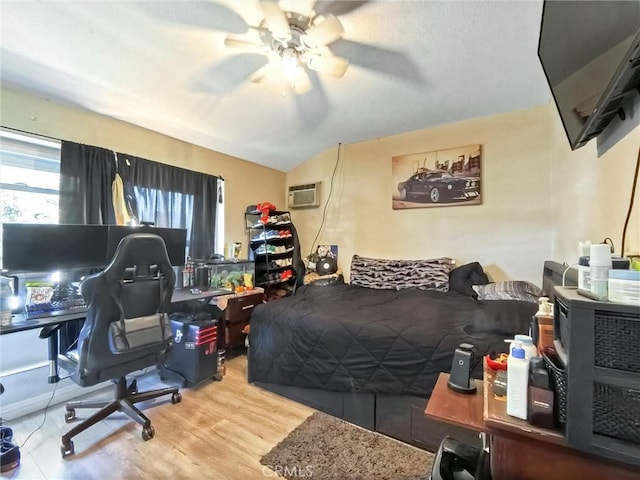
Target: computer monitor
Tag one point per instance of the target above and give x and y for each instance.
(175, 240)
(49, 247)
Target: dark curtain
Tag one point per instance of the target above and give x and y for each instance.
(170, 196)
(161, 194)
(86, 175)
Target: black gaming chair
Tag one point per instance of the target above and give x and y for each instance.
(126, 329)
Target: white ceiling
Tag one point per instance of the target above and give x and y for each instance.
(163, 66)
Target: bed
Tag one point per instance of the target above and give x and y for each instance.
(371, 355)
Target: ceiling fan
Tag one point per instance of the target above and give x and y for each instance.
(292, 43)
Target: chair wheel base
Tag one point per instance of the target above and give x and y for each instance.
(70, 415)
(67, 449)
(176, 398)
(148, 433)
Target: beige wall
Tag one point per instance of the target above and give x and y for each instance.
(246, 183)
(591, 195)
(539, 197)
(510, 234)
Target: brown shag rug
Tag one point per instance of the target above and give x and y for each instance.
(325, 447)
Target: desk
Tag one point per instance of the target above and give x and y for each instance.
(20, 322)
(50, 324)
(518, 450)
(185, 295)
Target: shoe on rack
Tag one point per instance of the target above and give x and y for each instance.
(264, 249)
(286, 275)
(272, 277)
(283, 219)
(266, 235)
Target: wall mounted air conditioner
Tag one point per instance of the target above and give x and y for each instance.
(304, 196)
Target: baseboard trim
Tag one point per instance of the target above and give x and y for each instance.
(18, 402)
(65, 390)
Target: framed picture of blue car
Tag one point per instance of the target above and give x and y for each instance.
(438, 178)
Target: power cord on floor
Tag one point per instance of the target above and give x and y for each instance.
(53, 393)
(44, 417)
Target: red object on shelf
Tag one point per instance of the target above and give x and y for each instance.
(265, 208)
(495, 364)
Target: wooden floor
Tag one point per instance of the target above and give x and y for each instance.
(220, 430)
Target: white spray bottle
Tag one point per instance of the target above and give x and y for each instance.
(517, 382)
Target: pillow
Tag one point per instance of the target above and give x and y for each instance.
(509, 290)
(432, 274)
(462, 279)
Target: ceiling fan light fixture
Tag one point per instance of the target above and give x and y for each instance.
(293, 44)
(290, 63)
(301, 83)
(276, 21)
(335, 66)
(328, 30)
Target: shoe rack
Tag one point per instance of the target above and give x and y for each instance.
(271, 247)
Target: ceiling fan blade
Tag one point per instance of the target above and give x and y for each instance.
(338, 7)
(313, 107)
(327, 31)
(276, 21)
(371, 57)
(301, 83)
(258, 75)
(207, 15)
(237, 43)
(229, 74)
(335, 66)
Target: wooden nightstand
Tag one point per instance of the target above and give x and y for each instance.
(518, 450)
(236, 317)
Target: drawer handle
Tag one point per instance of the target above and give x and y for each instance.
(247, 306)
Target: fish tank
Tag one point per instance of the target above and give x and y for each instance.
(235, 275)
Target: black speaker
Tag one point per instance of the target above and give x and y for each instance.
(326, 266)
(203, 275)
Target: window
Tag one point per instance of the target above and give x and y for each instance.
(175, 210)
(29, 178)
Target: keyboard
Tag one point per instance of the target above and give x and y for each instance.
(55, 308)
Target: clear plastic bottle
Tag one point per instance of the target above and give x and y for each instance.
(517, 382)
(6, 292)
(599, 265)
(544, 317)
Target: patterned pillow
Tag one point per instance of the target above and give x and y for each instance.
(509, 290)
(377, 273)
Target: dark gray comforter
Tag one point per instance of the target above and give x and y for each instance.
(352, 339)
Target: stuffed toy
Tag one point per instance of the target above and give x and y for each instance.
(265, 208)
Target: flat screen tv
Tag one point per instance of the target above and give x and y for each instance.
(590, 53)
(48, 247)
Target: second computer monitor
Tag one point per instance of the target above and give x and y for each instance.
(175, 239)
